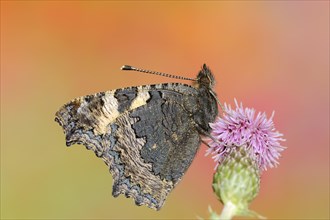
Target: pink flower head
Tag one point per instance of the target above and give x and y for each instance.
(241, 128)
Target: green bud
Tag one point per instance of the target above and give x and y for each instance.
(236, 182)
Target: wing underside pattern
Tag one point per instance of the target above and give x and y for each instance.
(144, 134)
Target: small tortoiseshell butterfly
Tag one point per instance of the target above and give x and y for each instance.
(147, 135)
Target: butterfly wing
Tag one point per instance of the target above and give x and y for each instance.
(145, 134)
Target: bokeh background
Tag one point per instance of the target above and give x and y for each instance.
(269, 55)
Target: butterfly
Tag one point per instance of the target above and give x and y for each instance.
(147, 135)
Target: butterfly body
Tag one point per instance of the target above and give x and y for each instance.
(147, 135)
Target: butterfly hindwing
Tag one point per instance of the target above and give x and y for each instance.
(172, 138)
(144, 134)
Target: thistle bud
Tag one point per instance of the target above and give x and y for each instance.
(236, 181)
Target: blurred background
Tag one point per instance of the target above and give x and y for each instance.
(270, 55)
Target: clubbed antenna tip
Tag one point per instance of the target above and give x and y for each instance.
(127, 67)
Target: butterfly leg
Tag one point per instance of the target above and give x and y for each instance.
(204, 142)
(207, 134)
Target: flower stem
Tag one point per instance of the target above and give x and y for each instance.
(228, 211)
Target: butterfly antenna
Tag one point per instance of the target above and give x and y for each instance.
(127, 67)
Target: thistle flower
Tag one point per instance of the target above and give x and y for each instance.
(243, 144)
(241, 127)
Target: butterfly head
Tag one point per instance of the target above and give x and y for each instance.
(205, 77)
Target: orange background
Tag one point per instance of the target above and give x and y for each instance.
(269, 55)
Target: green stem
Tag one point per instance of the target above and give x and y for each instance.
(228, 211)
